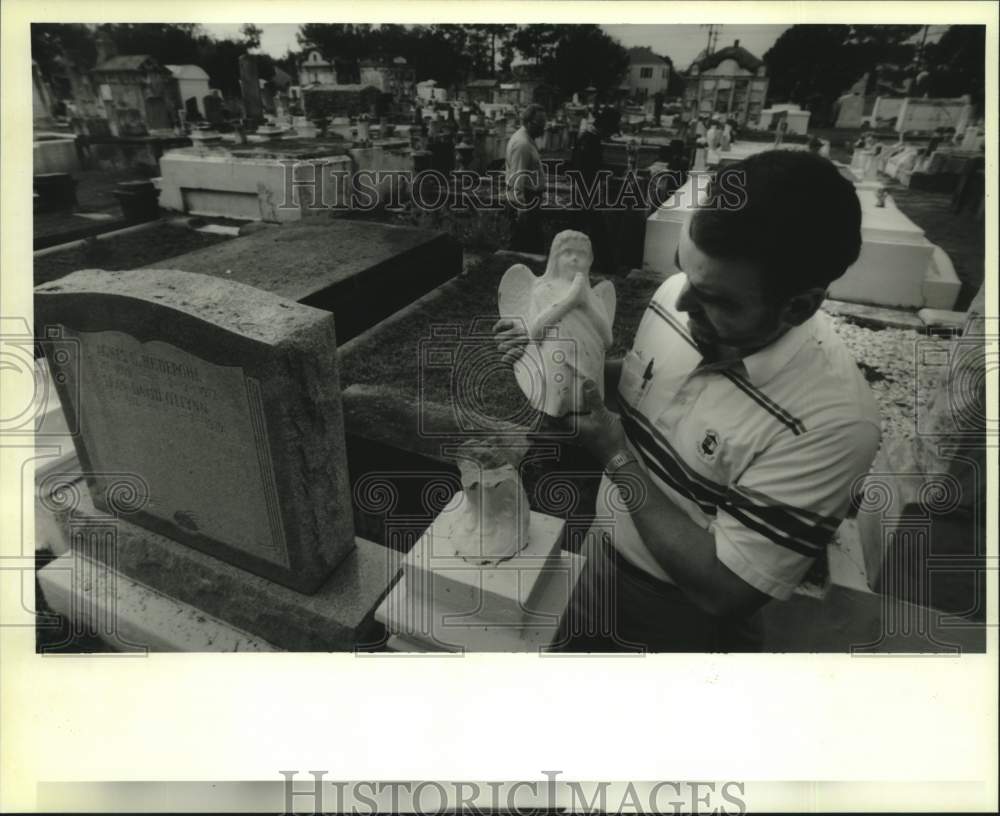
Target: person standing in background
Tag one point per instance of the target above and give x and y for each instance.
(588, 160)
(525, 182)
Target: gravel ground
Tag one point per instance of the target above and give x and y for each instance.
(890, 360)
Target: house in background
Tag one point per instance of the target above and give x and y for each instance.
(315, 70)
(138, 94)
(648, 74)
(728, 83)
(191, 82)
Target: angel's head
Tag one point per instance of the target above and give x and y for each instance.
(570, 255)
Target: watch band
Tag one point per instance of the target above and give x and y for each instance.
(618, 461)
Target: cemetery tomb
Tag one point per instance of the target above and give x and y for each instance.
(927, 115)
(798, 119)
(254, 183)
(898, 267)
(54, 153)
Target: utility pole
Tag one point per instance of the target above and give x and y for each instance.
(713, 35)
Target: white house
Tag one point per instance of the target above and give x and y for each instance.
(191, 81)
(648, 74)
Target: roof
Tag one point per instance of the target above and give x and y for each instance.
(482, 83)
(642, 54)
(129, 62)
(743, 58)
(426, 83)
(315, 63)
(187, 71)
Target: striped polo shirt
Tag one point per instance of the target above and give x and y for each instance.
(761, 452)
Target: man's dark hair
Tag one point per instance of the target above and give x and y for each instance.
(529, 113)
(790, 212)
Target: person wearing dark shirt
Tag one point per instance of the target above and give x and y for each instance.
(588, 161)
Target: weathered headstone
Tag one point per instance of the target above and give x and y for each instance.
(223, 404)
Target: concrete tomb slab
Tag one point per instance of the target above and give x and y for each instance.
(362, 272)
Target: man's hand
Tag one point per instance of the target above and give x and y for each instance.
(511, 339)
(600, 431)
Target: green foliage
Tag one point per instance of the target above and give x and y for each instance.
(584, 55)
(75, 41)
(570, 57)
(956, 63)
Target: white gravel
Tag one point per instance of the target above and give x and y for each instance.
(903, 368)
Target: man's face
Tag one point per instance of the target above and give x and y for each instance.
(728, 315)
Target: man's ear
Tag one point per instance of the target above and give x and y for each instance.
(799, 308)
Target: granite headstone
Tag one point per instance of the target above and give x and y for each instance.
(224, 402)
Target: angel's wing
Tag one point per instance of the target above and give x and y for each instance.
(515, 291)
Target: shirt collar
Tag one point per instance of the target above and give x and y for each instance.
(763, 365)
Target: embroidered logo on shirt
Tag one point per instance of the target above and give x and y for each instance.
(709, 445)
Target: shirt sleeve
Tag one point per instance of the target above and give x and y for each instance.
(786, 507)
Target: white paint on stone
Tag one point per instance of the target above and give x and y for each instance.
(216, 183)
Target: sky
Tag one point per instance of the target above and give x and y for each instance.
(679, 42)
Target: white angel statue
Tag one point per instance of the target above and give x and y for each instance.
(568, 324)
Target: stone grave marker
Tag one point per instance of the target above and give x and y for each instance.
(253, 109)
(213, 109)
(222, 401)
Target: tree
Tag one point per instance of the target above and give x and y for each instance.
(956, 63)
(585, 55)
(675, 82)
(537, 42)
(486, 40)
(73, 41)
(251, 34)
(168, 43)
(813, 65)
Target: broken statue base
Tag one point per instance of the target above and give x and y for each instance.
(443, 602)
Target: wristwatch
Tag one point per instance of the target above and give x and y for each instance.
(618, 461)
